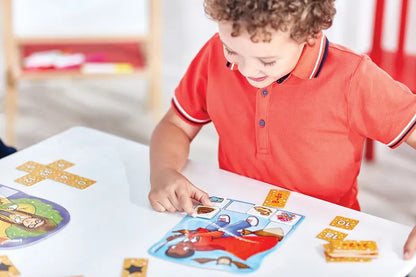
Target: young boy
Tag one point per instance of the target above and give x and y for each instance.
(290, 108)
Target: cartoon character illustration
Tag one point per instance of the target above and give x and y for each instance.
(284, 216)
(26, 220)
(221, 235)
(18, 219)
(263, 210)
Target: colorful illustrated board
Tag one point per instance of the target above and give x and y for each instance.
(25, 219)
(232, 235)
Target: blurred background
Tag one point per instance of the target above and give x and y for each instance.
(121, 105)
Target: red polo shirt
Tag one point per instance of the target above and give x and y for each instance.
(304, 132)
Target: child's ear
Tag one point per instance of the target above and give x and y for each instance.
(310, 40)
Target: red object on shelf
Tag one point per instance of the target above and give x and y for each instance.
(94, 52)
(398, 64)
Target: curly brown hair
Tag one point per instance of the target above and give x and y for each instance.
(303, 18)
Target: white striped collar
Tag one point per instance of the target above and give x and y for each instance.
(312, 59)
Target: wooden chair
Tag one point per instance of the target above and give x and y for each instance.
(144, 50)
(398, 64)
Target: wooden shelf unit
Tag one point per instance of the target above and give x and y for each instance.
(149, 44)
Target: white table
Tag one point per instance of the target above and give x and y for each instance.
(112, 219)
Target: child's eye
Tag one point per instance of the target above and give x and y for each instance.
(229, 52)
(268, 63)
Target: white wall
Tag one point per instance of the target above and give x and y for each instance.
(79, 17)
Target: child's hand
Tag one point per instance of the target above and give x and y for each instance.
(410, 246)
(172, 192)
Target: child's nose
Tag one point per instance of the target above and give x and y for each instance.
(248, 67)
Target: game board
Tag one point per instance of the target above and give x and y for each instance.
(233, 235)
(25, 219)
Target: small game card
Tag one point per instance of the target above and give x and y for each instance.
(219, 201)
(7, 269)
(134, 267)
(60, 164)
(29, 180)
(344, 222)
(54, 171)
(261, 211)
(206, 211)
(331, 259)
(350, 251)
(285, 217)
(353, 248)
(329, 235)
(277, 198)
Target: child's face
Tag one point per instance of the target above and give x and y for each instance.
(261, 63)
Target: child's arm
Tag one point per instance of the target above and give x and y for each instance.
(410, 246)
(169, 150)
(411, 140)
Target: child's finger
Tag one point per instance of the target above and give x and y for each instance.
(200, 196)
(205, 200)
(167, 205)
(175, 202)
(186, 203)
(157, 206)
(410, 246)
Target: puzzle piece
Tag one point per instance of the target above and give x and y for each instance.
(134, 267)
(54, 171)
(261, 211)
(219, 201)
(206, 212)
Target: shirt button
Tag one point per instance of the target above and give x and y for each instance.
(262, 123)
(264, 92)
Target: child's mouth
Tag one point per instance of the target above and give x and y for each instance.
(259, 79)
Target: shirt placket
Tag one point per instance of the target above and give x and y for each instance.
(262, 124)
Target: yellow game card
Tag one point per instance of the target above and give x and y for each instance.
(331, 259)
(350, 251)
(54, 171)
(329, 235)
(344, 222)
(276, 198)
(134, 267)
(353, 248)
(7, 269)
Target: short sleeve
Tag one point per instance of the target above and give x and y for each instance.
(379, 107)
(189, 100)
